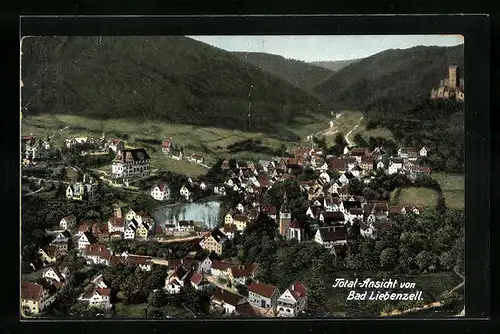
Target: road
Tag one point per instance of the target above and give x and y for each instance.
(349, 143)
(34, 192)
(325, 130)
(213, 280)
(46, 180)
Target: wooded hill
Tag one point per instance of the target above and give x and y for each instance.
(335, 65)
(296, 72)
(174, 79)
(404, 77)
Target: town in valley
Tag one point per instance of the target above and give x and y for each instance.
(149, 225)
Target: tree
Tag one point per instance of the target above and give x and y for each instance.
(157, 298)
(388, 258)
(316, 300)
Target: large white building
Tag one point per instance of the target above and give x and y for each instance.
(131, 163)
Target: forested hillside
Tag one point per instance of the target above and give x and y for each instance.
(296, 72)
(404, 77)
(172, 79)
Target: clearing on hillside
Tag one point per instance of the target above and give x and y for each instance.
(453, 186)
(415, 196)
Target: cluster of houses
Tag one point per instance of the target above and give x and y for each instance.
(33, 148)
(262, 300)
(168, 148)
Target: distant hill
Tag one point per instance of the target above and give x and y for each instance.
(402, 77)
(296, 72)
(174, 79)
(335, 66)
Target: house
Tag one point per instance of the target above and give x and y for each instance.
(176, 280)
(220, 268)
(239, 274)
(359, 152)
(161, 192)
(292, 301)
(49, 255)
(116, 145)
(241, 164)
(87, 238)
(100, 231)
(97, 254)
(177, 155)
(376, 211)
(330, 236)
(68, 222)
(143, 262)
(142, 231)
(240, 221)
(96, 297)
(214, 242)
(195, 157)
(53, 274)
(269, 210)
(366, 163)
(263, 295)
(166, 146)
(61, 242)
(395, 166)
(35, 298)
(131, 163)
(225, 165)
(346, 206)
(380, 165)
(76, 191)
(199, 282)
(116, 224)
(423, 151)
(206, 265)
(225, 301)
(186, 191)
(229, 230)
(332, 217)
(129, 233)
(399, 209)
(228, 218)
(186, 225)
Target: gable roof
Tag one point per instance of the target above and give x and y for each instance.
(228, 297)
(329, 234)
(262, 289)
(298, 290)
(117, 222)
(335, 216)
(31, 291)
(97, 250)
(221, 265)
(131, 155)
(243, 271)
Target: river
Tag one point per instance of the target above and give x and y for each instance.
(205, 213)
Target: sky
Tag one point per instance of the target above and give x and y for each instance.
(326, 47)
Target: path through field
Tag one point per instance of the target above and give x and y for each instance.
(350, 143)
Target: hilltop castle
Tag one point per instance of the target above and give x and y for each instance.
(451, 87)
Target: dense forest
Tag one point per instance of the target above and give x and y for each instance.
(172, 79)
(404, 77)
(296, 72)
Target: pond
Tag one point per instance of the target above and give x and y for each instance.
(205, 213)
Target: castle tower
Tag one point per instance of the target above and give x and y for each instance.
(453, 76)
(285, 216)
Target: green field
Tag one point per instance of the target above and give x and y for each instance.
(137, 311)
(414, 196)
(453, 186)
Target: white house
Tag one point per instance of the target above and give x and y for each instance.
(131, 163)
(395, 166)
(68, 222)
(116, 145)
(97, 297)
(185, 192)
(226, 301)
(161, 192)
(423, 151)
(380, 165)
(129, 233)
(240, 207)
(54, 274)
(35, 298)
(86, 239)
(292, 301)
(330, 236)
(205, 265)
(325, 177)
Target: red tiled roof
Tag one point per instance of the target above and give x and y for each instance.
(227, 228)
(98, 250)
(298, 290)
(31, 291)
(262, 289)
(116, 141)
(166, 144)
(245, 271)
(222, 265)
(197, 278)
(117, 222)
(227, 296)
(294, 224)
(104, 291)
(135, 259)
(69, 217)
(162, 186)
(83, 227)
(424, 169)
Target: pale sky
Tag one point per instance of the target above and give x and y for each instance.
(326, 47)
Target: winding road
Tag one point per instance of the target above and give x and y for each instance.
(350, 143)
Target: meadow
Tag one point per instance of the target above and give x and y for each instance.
(453, 187)
(414, 196)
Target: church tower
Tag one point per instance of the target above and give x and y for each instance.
(453, 78)
(285, 216)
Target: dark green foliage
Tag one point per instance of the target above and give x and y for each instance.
(404, 77)
(438, 125)
(296, 72)
(173, 79)
(297, 199)
(335, 65)
(251, 145)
